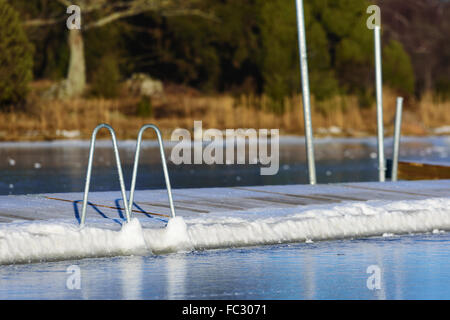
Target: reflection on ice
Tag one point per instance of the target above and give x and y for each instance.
(175, 276)
(131, 275)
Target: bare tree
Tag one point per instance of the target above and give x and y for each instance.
(106, 12)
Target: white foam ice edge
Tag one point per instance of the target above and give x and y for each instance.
(22, 242)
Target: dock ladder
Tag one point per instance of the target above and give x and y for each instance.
(128, 204)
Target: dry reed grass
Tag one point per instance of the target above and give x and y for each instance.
(46, 120)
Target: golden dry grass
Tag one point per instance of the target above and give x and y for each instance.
(44, 120)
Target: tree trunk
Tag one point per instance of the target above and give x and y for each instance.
(76, 77)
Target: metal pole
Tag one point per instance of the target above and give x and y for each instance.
(397, 131)
(379, 94)
(89, 170)
(305, 91)
(163, 161)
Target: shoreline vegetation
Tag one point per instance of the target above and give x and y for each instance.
(233, 64)
(339, 116)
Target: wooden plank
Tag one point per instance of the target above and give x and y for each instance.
(109, 207)
(422, 171)
(419, 170)
(152, 205)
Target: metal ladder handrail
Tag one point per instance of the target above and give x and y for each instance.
(89, 170)
(163, 160)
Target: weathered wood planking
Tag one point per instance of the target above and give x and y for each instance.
(153, 204)
(422, 171)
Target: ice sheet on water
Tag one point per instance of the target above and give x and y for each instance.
(54, 240)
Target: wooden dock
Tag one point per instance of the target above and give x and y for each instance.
(153, 204)
(420, 170)
(408, 170)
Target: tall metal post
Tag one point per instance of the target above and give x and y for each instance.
(379, 94)
(397, 131)
(305, 91)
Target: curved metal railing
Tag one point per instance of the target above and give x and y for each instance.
(163, 160)
(89, 171)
